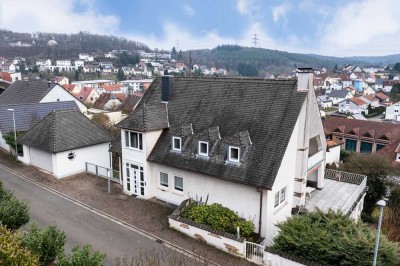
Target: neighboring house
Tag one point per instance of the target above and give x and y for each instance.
(93, 83)
(79, 63)
(24, 92)
(353, 106)
(388, 85)
(114, 88)
(383, 98)
(60, 80)
(324, 101)
(107, 101)
(336, 86)
(369, 99)
(361, 136)
(392, 151)
(26, 116)
(72, 88)
(10, 76)
(63, 142)
(393, 112)
(378, 85)
(339, 95)
(63, 63)
(333, 150)
(87, 95)
(368, 91)
(130, 102)
(346, 82)
(185, 139)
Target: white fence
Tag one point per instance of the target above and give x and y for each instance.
(102, 171)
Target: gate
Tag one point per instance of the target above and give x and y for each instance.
(254, 252)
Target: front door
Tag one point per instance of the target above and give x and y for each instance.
(135, 182)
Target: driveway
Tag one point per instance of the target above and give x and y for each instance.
(80, 224)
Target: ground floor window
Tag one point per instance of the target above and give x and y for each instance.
(163, 179)
(351, 145)
(178, 183)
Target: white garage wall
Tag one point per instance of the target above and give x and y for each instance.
(41, 159)
(97, 154)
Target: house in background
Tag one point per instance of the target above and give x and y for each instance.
(27, 92)
(186, 140)
(338, 96)
(72, 88)
(383, 98)
(63, 142)
(130, 102)
(108, 101)
(353, 106)
(370, 100)
(87, 95)
(368, 91)
(62, 80)
(361, 136)
(324, 101)
(393, 112)
(26, 116)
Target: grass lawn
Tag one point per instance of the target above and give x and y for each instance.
(330, 109)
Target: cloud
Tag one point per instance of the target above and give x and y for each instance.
(189, 11)
(367, 27)
(244, 6)
(281, 11)
(68, 16)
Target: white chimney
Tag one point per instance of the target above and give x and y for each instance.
(305, 79)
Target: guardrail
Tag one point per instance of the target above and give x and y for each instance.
(354, 196)
(344, 176)
(109, 174)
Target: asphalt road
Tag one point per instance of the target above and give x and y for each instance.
(81, 225)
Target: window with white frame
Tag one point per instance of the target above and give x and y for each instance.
(163, 179)
(282, 195)
(176, 144)
(134, 140)
(234, 154)
(203, 148)
(178, 183)
(276, 199)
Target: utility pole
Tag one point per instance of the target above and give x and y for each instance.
(255, 39)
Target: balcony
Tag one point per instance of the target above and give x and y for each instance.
(342, 191)
(315, 159)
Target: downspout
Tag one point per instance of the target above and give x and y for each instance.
(260, 216)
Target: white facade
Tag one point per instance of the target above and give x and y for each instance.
(348, 106)
(368, 91)
(63, 63)
(333, 155)
(61, 166)
(59, 94)
(93, 83)
(79, 63)
(393, 112)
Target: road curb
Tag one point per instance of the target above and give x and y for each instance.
(113, 219)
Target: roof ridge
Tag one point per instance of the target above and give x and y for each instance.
(144, 115)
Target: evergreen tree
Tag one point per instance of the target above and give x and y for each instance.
(173, 53)
(120, 74)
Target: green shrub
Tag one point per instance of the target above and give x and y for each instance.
(333, 239)
(12, 253)
(83, 257)
(47, 244)
(218, 218)
(13, 212)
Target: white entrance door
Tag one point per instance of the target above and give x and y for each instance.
(135, 182)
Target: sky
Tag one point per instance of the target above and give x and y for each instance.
(338, 28)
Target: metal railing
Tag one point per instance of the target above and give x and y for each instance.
(109, 174)
(254, 252)
(344, 176)
(354, 196)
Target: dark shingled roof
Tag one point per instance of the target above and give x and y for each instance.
(27, 115)
(21, 92)
(257, 115)
(338, 93)
(64, 130)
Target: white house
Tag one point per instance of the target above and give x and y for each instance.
(336, 86)
(354, 106)
(63, 142)
(369, 99)
(368, 91)
(324, 101)
(392, 112)
(21, 92)
(63, 63)
(85, 57)
(186, 140)
(79, 63)
(339, 95)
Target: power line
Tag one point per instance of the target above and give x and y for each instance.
(255, 39)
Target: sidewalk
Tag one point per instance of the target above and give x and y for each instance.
(145, 215)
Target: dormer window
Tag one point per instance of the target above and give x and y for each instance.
(234, 154)
(176, 144)
(203, 148)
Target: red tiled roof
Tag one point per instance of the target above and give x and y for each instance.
(83, 94)
(357, 101)
(113, 87)
(120, 96)
(69, 87)
(364, 128)
(390, 151)
(381, 96)
(6, 76)
(370, 98)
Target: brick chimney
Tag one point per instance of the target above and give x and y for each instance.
(167, 87)
(305, 79)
